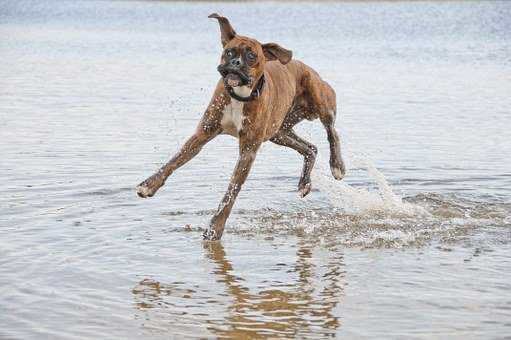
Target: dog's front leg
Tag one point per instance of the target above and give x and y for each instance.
(248, 151)
(209, 127)
(189, 150)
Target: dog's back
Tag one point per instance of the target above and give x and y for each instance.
(310, 94)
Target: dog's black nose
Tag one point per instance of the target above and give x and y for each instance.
(235, 62)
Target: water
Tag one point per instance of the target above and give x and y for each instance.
(415, 243)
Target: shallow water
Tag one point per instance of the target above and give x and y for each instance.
(414, 243)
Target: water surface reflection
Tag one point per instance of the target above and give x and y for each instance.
(301, 301)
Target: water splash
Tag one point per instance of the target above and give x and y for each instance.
(376, 216)
(362, 201)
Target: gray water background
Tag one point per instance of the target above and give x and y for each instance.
(96, 95)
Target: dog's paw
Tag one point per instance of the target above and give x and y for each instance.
(210, 235)
(149, 187)
(338, 171)
(304, 189)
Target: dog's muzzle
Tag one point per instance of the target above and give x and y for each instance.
(233, 76)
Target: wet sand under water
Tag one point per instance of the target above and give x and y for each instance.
(414, 243)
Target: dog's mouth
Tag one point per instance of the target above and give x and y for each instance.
(233, 77)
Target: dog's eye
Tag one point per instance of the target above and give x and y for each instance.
(251, 56)
(229, 53)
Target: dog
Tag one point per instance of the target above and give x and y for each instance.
(261, 95)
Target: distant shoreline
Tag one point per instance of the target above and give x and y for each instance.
(311, 1)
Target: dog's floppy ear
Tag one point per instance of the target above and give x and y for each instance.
(226, 30)
(274, 51)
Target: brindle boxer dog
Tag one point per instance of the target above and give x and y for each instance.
(261, 96)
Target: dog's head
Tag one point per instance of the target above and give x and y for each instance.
(243, 59)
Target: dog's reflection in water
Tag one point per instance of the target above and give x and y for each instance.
(303, 307)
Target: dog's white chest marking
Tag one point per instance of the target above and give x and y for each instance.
(232, 119)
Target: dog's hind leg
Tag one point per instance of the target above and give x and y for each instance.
(323, 102)
(337, 166)
(307, 150)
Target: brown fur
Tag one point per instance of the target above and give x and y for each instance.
(292, 92)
